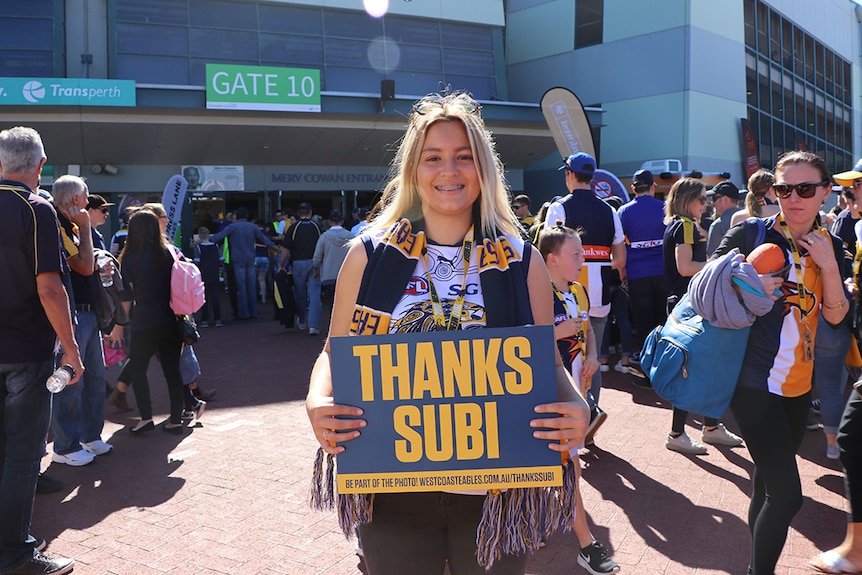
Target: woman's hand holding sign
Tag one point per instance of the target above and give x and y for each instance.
(564, 431)
(329, 420)
(574, 416)
(330, 428)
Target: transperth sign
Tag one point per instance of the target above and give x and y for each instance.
(66, 92)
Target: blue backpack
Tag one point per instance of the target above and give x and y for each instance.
(692, 364)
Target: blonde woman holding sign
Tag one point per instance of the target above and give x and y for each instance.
(448, 194)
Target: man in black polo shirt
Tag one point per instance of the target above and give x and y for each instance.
(34, 312)
(79, 411)
(299, 242)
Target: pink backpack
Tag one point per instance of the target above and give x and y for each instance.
(187, 287)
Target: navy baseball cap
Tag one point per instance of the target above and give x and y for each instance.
(580, 163)
(642, 179)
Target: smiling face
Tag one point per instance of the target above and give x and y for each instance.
(446, 174)
(798, 211)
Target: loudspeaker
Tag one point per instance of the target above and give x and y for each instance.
(387, 89)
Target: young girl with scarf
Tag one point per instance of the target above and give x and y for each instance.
(446, 210)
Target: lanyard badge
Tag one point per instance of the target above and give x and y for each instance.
(454, 321)
(804, 327)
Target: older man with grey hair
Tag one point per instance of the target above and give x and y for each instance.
(79, 411)
(34, 312)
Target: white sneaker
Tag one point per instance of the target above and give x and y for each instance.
(97, 447)
(685, 444)
(618, 366)
(75, 459)
(604, 368)
(313, 331)
(832, 452)
(720, 436)
(301, 326)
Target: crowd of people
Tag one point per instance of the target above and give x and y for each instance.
(584, 266)
(648, 249)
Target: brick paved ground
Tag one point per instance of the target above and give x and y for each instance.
(230, 495)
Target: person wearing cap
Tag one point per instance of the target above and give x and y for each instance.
(243, 234)
(844, 224)
(831, 345)
(521, 207)
(725, 199)
(604, 249)
(329, 254)
(99, 209)
(299, 242)
(643, 224)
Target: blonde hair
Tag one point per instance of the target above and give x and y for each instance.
(680, 196)
(401, 194)
(156, 208)
(551, 240)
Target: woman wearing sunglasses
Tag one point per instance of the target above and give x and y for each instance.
(448, 195)
(684, 256)
(772, 395)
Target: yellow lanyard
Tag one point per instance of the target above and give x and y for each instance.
(804, 328)
(584, 315)
(454, 321)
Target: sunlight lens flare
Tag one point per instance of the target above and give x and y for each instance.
(376, 8)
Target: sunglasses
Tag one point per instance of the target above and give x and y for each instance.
(105, 210)
(806, 190)
(426, 106)
(703, 199)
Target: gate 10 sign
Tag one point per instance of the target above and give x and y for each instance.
(446, 410)
(231, 87)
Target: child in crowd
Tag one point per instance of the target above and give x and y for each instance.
(563, 253)
(208, 257)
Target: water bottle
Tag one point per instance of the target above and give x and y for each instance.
(107, 279)
(60, 378)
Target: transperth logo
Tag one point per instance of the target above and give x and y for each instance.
(33, 91)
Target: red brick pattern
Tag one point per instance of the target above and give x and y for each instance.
(230, 496)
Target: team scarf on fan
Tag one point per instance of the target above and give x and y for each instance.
(513, 521)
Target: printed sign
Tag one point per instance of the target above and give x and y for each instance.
(446, 410)
(215, 178)
(568, 122)
(172, 199)
(66, 92)
(231, 87)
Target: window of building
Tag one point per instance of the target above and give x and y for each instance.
(290, 20)
(291, 51)
(797, 89)
(28, 38)
(338, 42)
(589, 22)
(750, 32)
